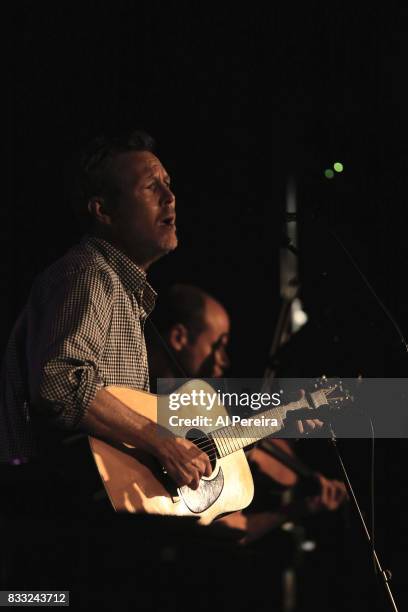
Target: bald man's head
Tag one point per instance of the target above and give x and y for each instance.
(196, 327)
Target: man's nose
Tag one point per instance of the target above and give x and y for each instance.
(168, 198)
(223, 359)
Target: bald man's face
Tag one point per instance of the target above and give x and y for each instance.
(206, 355)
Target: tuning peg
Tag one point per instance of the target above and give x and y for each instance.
(321, 382)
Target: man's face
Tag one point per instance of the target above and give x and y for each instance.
(143, 214)
(206, 355)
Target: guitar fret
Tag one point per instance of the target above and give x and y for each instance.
(230, 439)
(220, 443)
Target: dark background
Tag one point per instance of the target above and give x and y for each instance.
(239, 98)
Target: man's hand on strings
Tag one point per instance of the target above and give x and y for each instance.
(304, 426)
(184, 462)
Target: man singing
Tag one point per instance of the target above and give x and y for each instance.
(82, 328)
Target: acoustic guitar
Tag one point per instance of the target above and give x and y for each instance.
(136, 482)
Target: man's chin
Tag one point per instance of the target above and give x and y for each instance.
(169, 245)
(164, 248)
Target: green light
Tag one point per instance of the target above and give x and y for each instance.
(338, 167)
(329, 173)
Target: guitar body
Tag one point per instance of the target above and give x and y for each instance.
(135, 482)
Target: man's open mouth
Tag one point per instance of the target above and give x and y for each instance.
(169, 221)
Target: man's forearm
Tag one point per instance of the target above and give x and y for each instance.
(107, 417)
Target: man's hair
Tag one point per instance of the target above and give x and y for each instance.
(93, 176)
(183, 304)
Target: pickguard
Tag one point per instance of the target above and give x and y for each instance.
(207, 493)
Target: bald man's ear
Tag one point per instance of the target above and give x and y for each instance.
(178, 337)
(99, 211)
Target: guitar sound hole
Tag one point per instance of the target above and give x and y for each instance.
(201, 440)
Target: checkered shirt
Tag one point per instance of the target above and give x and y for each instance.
(81, 330)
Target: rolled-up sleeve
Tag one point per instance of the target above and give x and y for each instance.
(67, 332)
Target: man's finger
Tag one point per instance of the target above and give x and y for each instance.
(331, 495)
(324, 494)
(208, 468)
(341, 491)
(195, 481)
(202, 463)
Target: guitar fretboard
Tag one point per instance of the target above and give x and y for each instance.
(232, 438)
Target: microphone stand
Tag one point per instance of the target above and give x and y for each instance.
(385, 574)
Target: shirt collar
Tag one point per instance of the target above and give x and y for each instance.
(133, 278)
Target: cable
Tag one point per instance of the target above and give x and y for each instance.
(372, 290)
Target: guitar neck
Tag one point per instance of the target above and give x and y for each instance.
(236, 436)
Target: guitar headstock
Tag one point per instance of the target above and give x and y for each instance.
(330, 392)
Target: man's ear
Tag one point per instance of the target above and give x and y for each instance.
(178, 337)
(99, 211)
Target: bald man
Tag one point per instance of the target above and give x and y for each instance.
(196, 328)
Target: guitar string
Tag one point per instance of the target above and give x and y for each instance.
(205, 439)
(211, 446)
(208, 443)
(215, 452)
(205, 443)
(211, 442)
